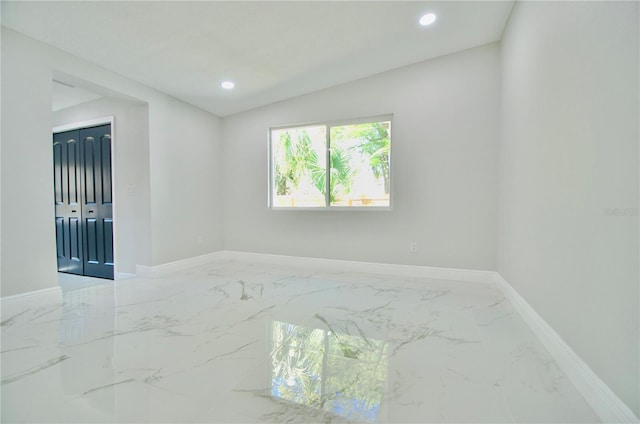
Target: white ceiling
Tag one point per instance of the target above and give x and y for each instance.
(272, 50)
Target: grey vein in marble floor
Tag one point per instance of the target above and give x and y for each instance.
(241, 342)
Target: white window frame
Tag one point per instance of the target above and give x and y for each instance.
(328, 125)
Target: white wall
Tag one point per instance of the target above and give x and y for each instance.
(176, 186)
(186, 185)
(28, 240)
(444, 169)
(130, 171)
(569, 153)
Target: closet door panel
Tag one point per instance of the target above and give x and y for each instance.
(67, 190)
(97, 201)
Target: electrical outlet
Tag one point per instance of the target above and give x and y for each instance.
(413, 247)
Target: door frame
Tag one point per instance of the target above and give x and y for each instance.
(93, 123)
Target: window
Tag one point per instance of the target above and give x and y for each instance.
(352, 159)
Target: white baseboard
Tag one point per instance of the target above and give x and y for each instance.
(605, 403)
(52, 294)
(159, 270)
(466, 275)
(124, 276)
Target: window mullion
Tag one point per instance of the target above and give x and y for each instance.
(327, 195)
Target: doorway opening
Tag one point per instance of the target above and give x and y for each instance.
(83, 197)
(79, 104)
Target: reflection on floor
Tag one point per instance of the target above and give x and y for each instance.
(325, 369)
(68, 282)
(240, 342)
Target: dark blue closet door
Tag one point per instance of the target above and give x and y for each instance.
(68, 209)
(83, 201)
(97, 201)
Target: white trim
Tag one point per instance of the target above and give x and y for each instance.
(124, 276)
(114, 195)
(466, 275)
(159, 270)
(52, 293)
(335, 208)
(84, 124)
(600, 397)
(336, 122)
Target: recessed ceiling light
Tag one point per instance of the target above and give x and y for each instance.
(227, 85)
(428, 19)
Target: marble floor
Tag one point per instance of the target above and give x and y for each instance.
(240, 342)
